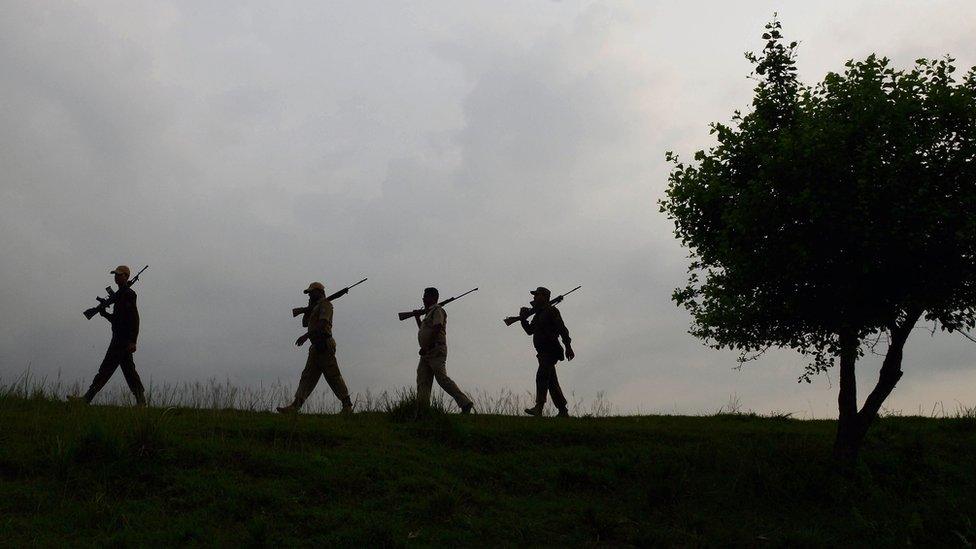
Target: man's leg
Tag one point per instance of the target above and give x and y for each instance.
(105, 371)
(425, 380)
(330, 368)
(541, 387)
(555, 391)
(308, 381)
(132, 378)
(438, 365)
(543, 378)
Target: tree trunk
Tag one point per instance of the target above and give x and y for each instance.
(853, 428)
(845, 446)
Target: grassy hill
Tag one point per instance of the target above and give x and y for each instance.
(107, 475)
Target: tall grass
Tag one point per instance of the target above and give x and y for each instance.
(213, 394)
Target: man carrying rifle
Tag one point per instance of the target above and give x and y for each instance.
(432, 336)
(321, 355)
(546, 328)
(125, 330)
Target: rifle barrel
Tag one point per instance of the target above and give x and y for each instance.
(344, 291)
(571, 291)
(462, 295)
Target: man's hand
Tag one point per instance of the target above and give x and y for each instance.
(524, 311)
(132, 347)
(570, 355)
(301, 340)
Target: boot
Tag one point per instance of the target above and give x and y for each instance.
(290, 409)
(535, 410)
(563, 412)
(466, 409)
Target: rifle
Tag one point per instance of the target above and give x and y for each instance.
(418, 312)
(527, 312)
(113, 296)
(302, 310)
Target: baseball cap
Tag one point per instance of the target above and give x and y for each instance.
(314, 286)
(541, 290)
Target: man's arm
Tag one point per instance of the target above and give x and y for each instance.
(119, 303)
(125, 316)
(437, 320)
(563, 332)
(320, 336)
(525, 322)
(325, 316)
(135, 320)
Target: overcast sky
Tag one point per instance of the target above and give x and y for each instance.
(244, 149)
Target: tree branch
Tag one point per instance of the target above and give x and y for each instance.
(890, 369)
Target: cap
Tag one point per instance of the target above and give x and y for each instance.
(314, 286)
(541, 290)
(122, 269)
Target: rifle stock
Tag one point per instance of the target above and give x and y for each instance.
(404, 316)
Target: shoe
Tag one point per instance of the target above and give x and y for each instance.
(466, 409)
(346, 409)
(534, 411)
(290, 409)
(141, 404)
(563, 412)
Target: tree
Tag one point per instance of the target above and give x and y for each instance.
(830, 217)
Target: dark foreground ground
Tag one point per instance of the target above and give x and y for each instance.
(116, 476)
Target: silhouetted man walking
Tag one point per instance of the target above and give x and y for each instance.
(546, 328)
(321, 355)
(432, 336)
(124, 319)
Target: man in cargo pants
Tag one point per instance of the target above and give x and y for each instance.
(321, 355)
(432, 336)
(124, 319)
(546, 328)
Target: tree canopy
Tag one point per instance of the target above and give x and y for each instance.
(845, 204)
